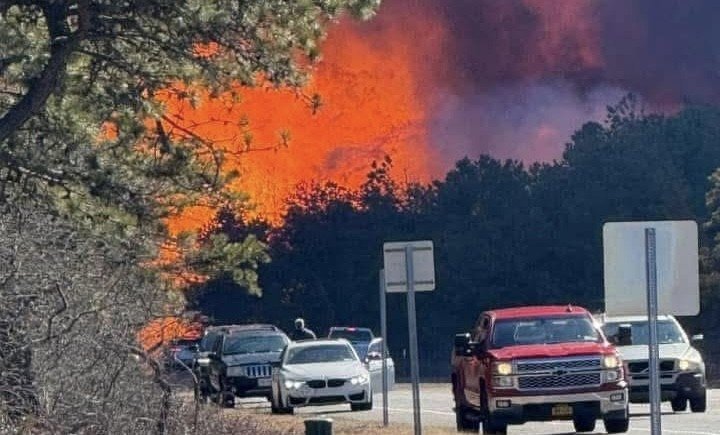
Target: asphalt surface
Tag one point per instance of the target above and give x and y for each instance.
(436, 403)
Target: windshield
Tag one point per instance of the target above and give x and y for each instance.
(548, 330)
(253, 344)
(352, 335)
(320, 354)
(668, 332)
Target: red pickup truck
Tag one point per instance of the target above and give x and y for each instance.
(537, 364)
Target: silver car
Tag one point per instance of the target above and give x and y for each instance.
(682, 369)
(320, 372)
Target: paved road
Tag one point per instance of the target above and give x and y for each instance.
(437, 411)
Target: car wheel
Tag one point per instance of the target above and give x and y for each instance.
(679, 404)
(275, 409)
(617, 425)
(699, 403)
(361, 406)
(464, 421)
(584, 423)
(226, 398)
(490, 424)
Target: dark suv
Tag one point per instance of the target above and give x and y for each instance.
(239, 362)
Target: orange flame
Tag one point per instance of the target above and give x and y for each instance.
(372, 105)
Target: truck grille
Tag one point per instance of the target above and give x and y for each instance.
(559, 373)
(559, 381)
(666, 365)
(557, 364)
(258, 371)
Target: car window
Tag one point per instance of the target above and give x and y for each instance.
(547, 330)
(239, 344)
(352, 335)
(375, 347)
(668, 332)
(207, 342)
(320, 354)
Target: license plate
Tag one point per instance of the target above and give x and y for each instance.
(561, 410)
(264, 382)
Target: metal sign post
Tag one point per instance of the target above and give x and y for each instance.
(651, 268)
(383, 334)
(409, 267)
(412, 336)
(652, 311)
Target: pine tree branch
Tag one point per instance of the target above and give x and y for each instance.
(62, 45)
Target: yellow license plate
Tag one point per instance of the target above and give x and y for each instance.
(561, 411)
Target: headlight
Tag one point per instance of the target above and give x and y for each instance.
(203, 361)
(688, 364)
(359, 380)
(610, 362)
(293, 385)
(503, 368)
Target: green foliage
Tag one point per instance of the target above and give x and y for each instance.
(82, 126)
(220, 257)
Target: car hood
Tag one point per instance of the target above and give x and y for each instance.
(343, 370)
(667, 351)
(551, 350)
(251, 358)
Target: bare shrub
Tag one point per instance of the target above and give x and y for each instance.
(71, 303)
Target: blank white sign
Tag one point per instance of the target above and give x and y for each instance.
(423, 266)
(677, 267)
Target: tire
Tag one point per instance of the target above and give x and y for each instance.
(617, 425)
(463, 422)
(679, 404)
(225, 398)
(228, 400)
(583, 423)
(276, 410)
(490, 425)
(699, 403)
(494, 427)
(367, 406)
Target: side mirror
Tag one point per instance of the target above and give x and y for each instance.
(462, 344)
(697, 337)
(374, 356)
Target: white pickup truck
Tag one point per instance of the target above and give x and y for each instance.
(682, 370)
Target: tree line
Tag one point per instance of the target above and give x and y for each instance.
(505, 234)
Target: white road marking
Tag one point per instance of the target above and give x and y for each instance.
(428, 411)
(684, 432)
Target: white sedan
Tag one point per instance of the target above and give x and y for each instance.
(320, 372)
